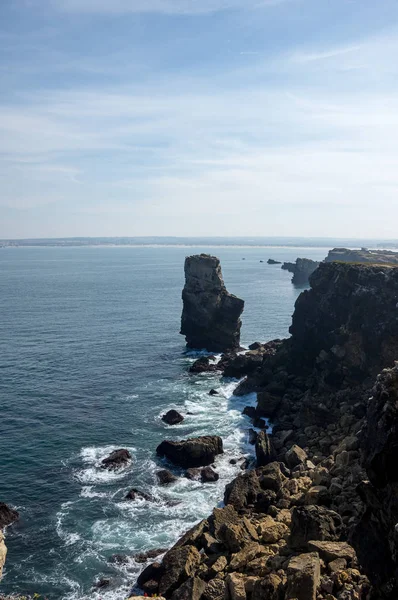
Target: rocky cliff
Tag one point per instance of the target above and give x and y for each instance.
(211, 315)
(363, 255)
(302, 269)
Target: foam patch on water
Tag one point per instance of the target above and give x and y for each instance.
(92, 472)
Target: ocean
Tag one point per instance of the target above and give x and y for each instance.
(90, 359)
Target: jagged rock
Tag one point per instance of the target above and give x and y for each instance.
(118, 459)
(211, 315)
(208, 475)
(215, 590)
(243, 490)
(213, 392)
(7, 515)
(295, 456)
(165, 477)
(269, 588)
(303, 577)
(243, 364)
(172, 417)
(151, 573)
(221, 517)
(270, 531)
(192, 589)
(3, 553)
(142, 557)
(195, 452)
(203, 365)
(133, 494)
(271, 477)
(318, 494)
(236, 586)
(313, 523)
(302, 269)
(330, 551)
(241, 559)
(264, 450)
(179, 564)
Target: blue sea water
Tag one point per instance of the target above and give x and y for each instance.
(90, 358)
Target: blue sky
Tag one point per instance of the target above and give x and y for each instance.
(198, 117)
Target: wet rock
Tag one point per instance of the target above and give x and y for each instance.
(102, 583)
(203, 365)
(179, 564)
(195, 452)
(151, 574)
(143, 557)
(165, 477)
(209, 475)
(252, 436)
(135, 494)
(193, 474)
(213, 393)
(271, 261)
(118, 459)
(172, 417)
(211, 315)
(303, 577)
(264, 451)
(7, 515)
(314, 523)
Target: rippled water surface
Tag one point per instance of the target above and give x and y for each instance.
(90, 358)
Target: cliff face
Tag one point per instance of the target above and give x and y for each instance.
(302, 269)
(211, 315)
(347, 323)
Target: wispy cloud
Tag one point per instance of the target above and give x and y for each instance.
(170, 7)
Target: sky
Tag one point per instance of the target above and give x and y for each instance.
(199, 117)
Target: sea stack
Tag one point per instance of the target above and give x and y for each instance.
(211, 315)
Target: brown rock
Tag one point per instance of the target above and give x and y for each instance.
(7, 515)
(313, 523)
(236, 586)
(269, 588)
(179, 564)
(303, 577)
(190, 590)
(215, 590)
(330, 551)
(295, 456)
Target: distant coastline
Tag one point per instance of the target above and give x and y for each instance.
(189, 242)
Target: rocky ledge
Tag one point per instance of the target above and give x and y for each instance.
(211, 315)
(363, 256)
(315, 517)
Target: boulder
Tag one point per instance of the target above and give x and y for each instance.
(7, 515)
(271, 477)
(313, 523)
(330, 551)
(303, 577)
(165, 477)
(236, 586)
(211, 315)
(151, 573)
(242, 491)
(269, 588)
(192, 474)
(215, 590)
(208, 475)
(118, 459)
(179, 564)
(192, 589)
(264, 450)
(295, 456)
(203, 365)
(195, 452)
(172, 417)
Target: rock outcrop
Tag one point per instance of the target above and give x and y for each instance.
(195, 452)
(302, 269)
(7, 515)
(364, 256)
(211, 315)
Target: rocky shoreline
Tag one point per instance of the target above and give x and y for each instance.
(314, 516)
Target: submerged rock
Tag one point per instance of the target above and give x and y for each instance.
(133, 494)
(172, 417)
(211, 315)
(195, 452)
(271, 261)
(116, 460)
